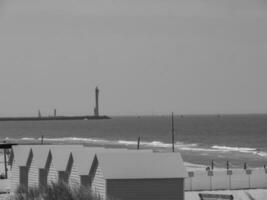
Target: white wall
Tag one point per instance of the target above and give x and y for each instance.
(221, 181)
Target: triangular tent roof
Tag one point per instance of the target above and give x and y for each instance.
(141, 165)
(83, 159)
(61, 154)
(21, 154)
(40, 155)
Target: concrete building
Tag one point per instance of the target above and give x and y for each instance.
(138, 176)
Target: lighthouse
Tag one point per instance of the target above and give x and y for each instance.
(96, 110)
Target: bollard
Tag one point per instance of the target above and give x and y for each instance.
(249, 172)
(191, 175)
(210, 174)
(229, 173)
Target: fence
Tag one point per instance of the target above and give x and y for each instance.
(226, 179)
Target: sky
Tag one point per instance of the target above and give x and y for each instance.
(148, 57)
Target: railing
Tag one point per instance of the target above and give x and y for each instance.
(226, 179)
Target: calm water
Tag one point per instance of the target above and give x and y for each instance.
(238, 138)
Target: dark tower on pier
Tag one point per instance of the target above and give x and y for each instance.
(96, 110)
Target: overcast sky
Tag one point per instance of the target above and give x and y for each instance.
(146, 56)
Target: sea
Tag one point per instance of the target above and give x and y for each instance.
(200, 139)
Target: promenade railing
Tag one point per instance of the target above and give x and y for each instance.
(222, 179)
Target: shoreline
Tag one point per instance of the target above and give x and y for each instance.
(196, 158)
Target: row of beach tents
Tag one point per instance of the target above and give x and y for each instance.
(119, 173)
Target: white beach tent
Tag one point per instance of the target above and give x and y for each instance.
(82, 162)
(20, 164)
(139, 176)
(41, 161)
(60, 166)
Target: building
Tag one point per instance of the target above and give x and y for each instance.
(21, 157)
(82, 161)
(138, 176)
(61, 164)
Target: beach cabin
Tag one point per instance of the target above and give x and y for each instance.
(82, 161)
(20, 164)
(38, 170)
(61, 164)
(138, 176)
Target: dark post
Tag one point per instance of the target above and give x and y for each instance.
(227, 164)
(138, 143)
(245, 165)
(172, 134)
(5, 163)
(264, 166)
(42, 140)
(96, 110)
(212, 164)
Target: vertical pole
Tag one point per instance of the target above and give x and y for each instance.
(138, 143)
(249, 185)
(96, 102)
(191, 185)
(42, 140)
(230, 184)
(210, 183)
(172, 133)
(5, 163)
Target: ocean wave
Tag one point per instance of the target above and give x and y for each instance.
(153, 144)
(261, 153)
(239, 149)
(27, 138)
(199, 149)
(77, 139)
(98, 141)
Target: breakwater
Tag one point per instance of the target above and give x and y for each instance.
(84, 117)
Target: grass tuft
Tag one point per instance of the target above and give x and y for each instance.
(55, 192)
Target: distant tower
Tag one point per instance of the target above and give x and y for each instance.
(55, 112)
(96, 102)
(39, 114)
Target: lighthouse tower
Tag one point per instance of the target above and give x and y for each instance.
(96, 110)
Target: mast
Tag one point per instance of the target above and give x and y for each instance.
(172, 133)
